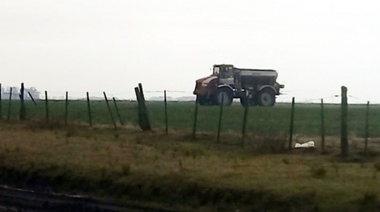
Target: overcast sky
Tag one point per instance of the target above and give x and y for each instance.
(99, 45)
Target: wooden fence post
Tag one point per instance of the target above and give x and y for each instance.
(117, 111)
(9, 104)
(291, 125)
(195, 118)
(344, 131)
(142, 109)
(138, 99)
(220, 120)
(366, 130)
(245, 117)
(166, 114)
(322, 128)
(46, 106)
(109, 110)
(89, 109)
(22, 102)
(141, 92)
(66, 107)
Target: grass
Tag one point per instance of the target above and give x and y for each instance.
(176, 171)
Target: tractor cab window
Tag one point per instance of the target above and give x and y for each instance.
(216, 71)
(226, 72)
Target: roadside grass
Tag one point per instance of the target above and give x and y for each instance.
(177, 171)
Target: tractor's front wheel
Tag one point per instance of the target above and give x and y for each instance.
(223, 96)
(202, 100)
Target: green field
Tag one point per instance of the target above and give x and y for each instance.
(261, 120)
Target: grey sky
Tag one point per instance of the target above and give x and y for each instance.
(95, 45)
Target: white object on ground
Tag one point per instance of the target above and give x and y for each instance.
(309, 144)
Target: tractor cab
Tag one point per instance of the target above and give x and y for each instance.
(225, 73)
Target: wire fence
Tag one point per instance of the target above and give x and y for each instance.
(298, 122)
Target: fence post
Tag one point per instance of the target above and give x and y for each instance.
(322, 128)
(143, 103)
(117, 111)
(291, 125)
(138, 99)
(166, 114)
(22, 102)
(195, 118)
(141, 92)
(66, 107)
(89, 109)
(9, 104)
(31, 97)
(143, 111)
(344, 111)
(366, 130)
(109, 110)
(46, 106)
(244, 127)
(220, 119)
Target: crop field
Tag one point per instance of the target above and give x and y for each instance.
(261, 120)
(177, 171)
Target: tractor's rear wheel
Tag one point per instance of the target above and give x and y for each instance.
(266, 98)
(223, 96)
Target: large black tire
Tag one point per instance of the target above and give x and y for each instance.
(251, 101)
(223, 96)
(266, 98)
